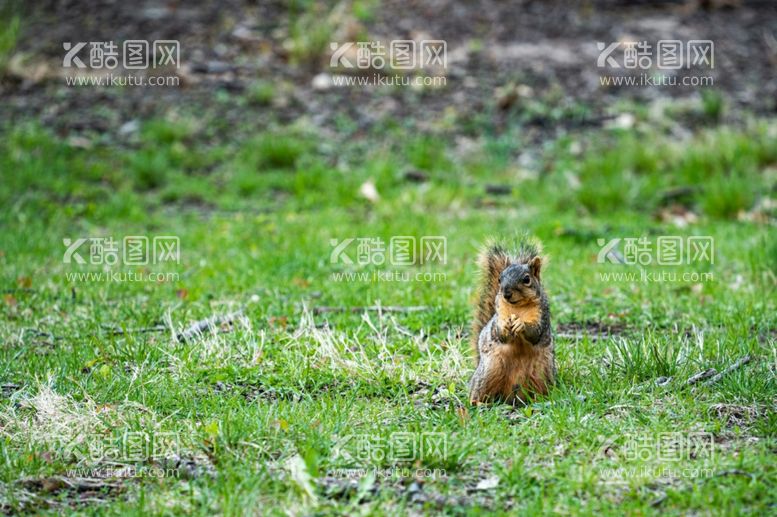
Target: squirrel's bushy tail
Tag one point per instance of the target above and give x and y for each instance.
(492, 260)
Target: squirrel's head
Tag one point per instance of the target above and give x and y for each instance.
(521, 282)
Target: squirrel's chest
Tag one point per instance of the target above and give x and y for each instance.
(526, 365)
(518, 350)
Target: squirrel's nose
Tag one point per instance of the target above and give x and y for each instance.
(507, 292)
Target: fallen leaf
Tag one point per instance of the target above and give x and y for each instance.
(300, 282)
(79, 142)
(24, 282)
(369, 191)
(487, 483)
(678, 215)
(212, 428)
(322, 82)
(281, 321)
(622, 121)
(20, 66)
(104, 371)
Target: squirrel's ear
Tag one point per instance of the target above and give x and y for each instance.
(535, 266)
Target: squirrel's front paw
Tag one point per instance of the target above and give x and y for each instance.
(515, 324)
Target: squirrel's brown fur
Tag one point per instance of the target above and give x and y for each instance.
(511, 337)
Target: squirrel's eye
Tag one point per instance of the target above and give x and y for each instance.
(526, 280)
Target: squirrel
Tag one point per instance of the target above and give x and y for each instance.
(511, 334)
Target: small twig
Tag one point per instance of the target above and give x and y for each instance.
(382, 308)
(739, 362)
(706, 374)
(619, 406)
(658, 500)
(119, 330)
(85, 483)
(710, 373)
(199, 327)
(77, 483)
(8, 388)
(593, 336)
(734, 472)
(40, 333)
(577, 337)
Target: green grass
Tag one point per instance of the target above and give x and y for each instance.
(713, 104)
(257, 414)
(261, 93)
(9, 34)
(311, 28)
